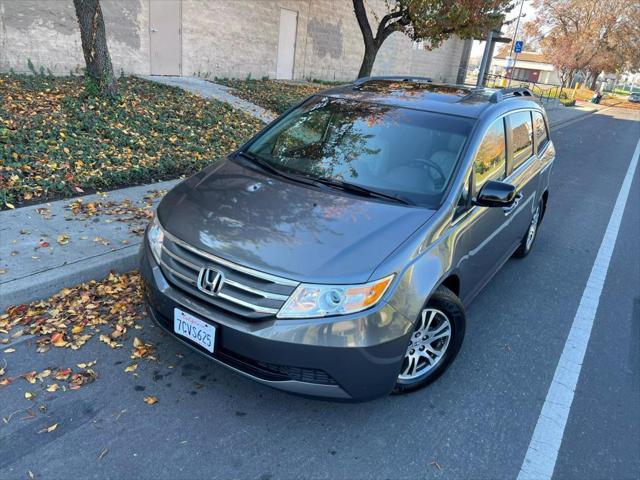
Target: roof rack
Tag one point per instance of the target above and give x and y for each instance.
(501, 94)
(396, 78)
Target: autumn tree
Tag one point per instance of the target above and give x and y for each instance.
(592, 36)
(94, 46)
(432, 21)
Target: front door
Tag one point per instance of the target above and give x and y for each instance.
(286, 44)
(165, 20)
(484, 240)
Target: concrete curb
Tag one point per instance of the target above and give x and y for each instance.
(43, 284)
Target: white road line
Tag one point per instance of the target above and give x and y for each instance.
(540, 460)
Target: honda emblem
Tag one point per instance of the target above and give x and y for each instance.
(210, 281)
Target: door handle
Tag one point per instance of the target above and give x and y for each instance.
(511, 208)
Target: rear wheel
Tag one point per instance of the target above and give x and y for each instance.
(532, 232)
(434, 343)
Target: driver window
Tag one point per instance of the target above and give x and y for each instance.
(491, 159)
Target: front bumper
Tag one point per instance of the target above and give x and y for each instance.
(355, 357)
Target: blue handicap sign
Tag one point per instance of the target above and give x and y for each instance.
(518, 46)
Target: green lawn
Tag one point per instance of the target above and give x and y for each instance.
(272, 94)
(56, 142)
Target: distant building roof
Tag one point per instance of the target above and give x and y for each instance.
(525, 57)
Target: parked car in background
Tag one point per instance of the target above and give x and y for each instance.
(334, 253)
(634, 97)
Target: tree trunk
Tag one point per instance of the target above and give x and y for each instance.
(368, 60)
(594, 80)
(94, 45)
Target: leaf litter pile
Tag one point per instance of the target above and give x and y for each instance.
(107, 309)
(135, 216)
(55, 141)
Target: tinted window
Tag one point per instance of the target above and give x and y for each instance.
(542, 138)
(490, 161)
(521, 133)
(408, 153)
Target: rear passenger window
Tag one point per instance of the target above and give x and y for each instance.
(542, 138)
(521, 134)
(490, 162)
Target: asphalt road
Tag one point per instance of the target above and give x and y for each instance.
(475, 422)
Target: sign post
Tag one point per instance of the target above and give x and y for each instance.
(517, 48)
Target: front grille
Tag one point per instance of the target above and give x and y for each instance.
(246, 292)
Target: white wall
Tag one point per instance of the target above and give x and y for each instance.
(225, 38)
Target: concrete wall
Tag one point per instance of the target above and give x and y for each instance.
(329, 44)
(46, 32)
(224, 38)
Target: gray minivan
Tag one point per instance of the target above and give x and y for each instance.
(333, 254)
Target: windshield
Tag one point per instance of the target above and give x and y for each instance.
(395, 151)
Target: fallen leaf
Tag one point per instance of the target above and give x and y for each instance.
(31, 475)
(150, 400)
(9, 205)
(63, 239)
(28, 395)
(101, 240)
(87, 364)
(9, 350)
(131, 367)
(30, 376)
(57, 340)
(77, 329)
(53, 387)
(62, 373)
(49, 429)
(103, 453)
(82, 378)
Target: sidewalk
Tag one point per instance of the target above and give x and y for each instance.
(46, 247)
(559, 114)
(213, 90)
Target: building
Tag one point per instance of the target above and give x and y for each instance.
(529, 67)
(287, 39)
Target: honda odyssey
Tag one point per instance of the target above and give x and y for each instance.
(333, 254)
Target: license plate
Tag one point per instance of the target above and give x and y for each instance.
(202, 333)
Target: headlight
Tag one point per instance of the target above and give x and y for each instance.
(325, 300)
(155, 236)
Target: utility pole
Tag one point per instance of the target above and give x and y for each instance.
(513, 43)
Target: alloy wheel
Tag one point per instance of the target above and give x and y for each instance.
(427, 345)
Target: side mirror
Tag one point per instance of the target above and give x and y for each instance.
(496, 194)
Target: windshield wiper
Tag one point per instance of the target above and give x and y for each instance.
(363, 191)
(266, 166)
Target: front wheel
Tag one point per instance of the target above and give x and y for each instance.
(434, 343)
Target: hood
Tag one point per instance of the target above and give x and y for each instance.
(284, 228)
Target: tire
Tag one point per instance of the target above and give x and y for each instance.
(448, 308)
(526, 244)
